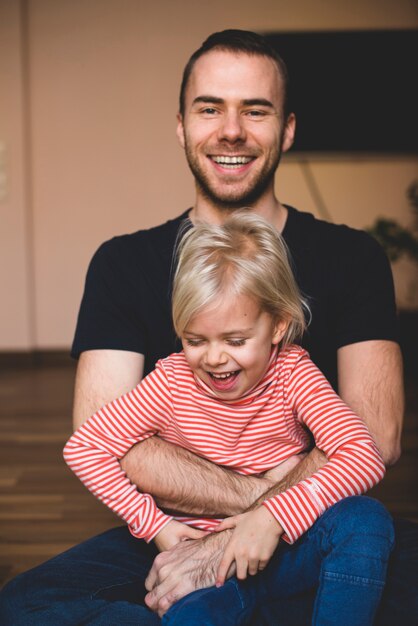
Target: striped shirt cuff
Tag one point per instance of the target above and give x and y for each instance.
(296, 510)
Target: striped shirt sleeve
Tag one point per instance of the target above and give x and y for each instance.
(94, 450)
(354, 464)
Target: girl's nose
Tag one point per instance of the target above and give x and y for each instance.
(215, 356)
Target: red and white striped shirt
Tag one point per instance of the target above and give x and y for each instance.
(249, 435)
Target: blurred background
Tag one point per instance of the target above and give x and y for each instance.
(88, 103)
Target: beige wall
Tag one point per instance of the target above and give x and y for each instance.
(16, 311)
(88, 101)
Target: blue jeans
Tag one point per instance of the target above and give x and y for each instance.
(101, 581)
(345, 554)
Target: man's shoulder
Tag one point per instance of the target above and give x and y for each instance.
(157, 240)
(304, 229)
(161, 234)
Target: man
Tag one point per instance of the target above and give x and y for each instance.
(234, 125)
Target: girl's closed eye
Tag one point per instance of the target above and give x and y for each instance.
(236, 342)
(193, 342)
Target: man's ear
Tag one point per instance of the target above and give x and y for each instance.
(289, 132)
(180, 130)
(279, 331)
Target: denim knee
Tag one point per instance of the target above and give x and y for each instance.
(362, 518)
(364, 514)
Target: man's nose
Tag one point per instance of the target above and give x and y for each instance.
(232, 127)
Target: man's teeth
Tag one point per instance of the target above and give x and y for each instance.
(233, 161)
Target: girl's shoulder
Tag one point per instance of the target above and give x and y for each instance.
(175, 368)
(292, 353)
(292, 359)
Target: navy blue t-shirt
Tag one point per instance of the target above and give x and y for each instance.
(343, 272)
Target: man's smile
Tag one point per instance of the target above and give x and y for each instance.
(231, 160)
(232, 163)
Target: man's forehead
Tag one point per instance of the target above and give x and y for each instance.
(229, 70)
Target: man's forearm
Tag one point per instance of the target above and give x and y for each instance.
(306, 468)
(370, 380)
(182, 482)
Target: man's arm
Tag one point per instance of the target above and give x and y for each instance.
(102, 376)
(370, 378)
(370, 381)
(183, 483)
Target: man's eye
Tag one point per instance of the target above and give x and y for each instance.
(209, 111)
(256, 113)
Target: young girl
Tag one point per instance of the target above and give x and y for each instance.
(243, 396)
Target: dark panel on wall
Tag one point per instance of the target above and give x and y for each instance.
(353, 91)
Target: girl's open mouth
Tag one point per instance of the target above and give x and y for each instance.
(223, 381)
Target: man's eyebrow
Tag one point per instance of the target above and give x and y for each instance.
(208, 100)
(247, 102)
(258, 102)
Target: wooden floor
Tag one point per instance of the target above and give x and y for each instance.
(44, 509)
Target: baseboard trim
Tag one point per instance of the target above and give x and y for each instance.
(35, 358)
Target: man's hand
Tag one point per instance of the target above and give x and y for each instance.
(174, 532)
(253, 542)
(278, 473)
(188, 566)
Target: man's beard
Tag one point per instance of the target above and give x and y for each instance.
(245, 197)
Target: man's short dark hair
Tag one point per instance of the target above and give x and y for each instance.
(233, 40)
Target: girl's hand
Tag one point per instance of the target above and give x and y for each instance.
(174, 532)
(255, 538)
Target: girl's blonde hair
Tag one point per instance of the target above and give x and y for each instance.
(243, 256)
